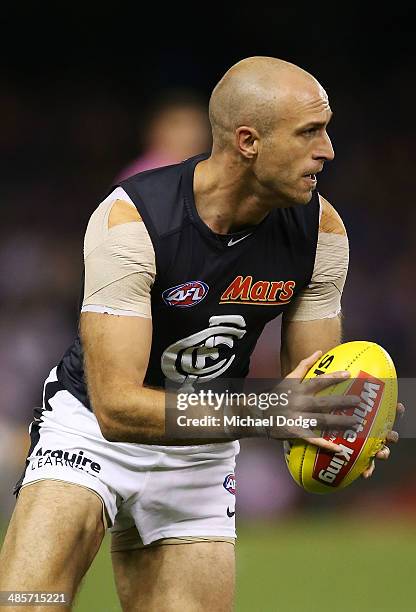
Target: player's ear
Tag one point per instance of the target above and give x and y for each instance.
(247, 140)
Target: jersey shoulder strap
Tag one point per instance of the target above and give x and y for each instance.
(159, 196)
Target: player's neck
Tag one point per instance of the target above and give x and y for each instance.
(224, 197)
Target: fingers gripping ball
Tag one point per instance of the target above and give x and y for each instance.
(374, 380)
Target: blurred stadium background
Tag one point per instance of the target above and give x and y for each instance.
(78, 98)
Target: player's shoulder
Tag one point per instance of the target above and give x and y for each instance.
(330, 221)
(113, 213)
(121, 212)
(117, 208)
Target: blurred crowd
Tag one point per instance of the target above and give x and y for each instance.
(60, 162)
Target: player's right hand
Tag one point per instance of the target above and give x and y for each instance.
(304, 402)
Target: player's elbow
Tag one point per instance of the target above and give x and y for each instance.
(118, 432)
(121, 425)
(108, 426)
(109, 421)
(110, 433)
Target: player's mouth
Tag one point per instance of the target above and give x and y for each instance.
(310, 179)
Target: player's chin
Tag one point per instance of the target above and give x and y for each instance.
(300, 193)
(303, 197)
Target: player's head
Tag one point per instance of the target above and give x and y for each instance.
(272, 116)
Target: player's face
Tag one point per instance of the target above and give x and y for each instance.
(291, 157)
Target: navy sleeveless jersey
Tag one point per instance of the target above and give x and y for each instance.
(213, 294)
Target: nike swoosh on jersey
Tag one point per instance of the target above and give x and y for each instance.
(232, 242)
(229, 513)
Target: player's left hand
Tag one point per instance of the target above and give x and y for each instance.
(384, 453)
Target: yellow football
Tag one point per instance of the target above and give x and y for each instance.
(374, 380)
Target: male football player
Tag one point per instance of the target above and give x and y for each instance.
(184, 266)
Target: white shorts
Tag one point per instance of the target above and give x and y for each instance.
(165, 491)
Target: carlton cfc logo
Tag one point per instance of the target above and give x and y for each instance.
(229, 483)
(185, 295)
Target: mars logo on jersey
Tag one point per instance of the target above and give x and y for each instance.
(229, 483)
(185, 295)
(261, 293)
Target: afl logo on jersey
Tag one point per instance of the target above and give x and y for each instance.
(185, 295)
(229, 483)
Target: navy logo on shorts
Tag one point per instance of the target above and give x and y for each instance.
(185, 295)
(229, 483)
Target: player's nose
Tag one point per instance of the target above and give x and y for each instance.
(325, 150)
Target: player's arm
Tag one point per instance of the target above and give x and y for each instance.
(116, 327)
(116, 355)
(313, 322)
(302, 338)
(116, 324)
